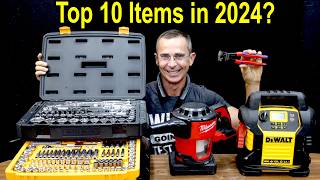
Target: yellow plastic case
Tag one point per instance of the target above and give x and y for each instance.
(73, 173)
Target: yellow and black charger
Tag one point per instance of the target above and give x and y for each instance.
(275, 134)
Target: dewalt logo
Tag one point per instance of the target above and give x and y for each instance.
(278, 139)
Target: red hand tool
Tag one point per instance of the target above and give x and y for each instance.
(225, 56)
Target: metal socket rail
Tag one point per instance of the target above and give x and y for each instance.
(97, 112)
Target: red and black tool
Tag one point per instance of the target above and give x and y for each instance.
(246, 58)
(194, 126)
(224, 130)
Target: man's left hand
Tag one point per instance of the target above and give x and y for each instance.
(251, 74)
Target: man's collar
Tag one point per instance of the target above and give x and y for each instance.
(184, 91)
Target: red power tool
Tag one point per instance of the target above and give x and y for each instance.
(224, 56)
(194, 126)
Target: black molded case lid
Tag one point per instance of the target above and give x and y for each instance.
(93, 65)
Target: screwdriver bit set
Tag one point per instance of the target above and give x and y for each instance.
(89, 158)
(92, 116)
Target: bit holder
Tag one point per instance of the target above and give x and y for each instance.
(61, 157)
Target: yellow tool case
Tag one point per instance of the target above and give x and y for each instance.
(116, 159)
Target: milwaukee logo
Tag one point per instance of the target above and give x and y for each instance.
(207, 127)
(278, 139)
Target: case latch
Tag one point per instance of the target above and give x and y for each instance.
(64, 30)
(124, 30)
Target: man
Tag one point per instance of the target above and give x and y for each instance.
(173, 87)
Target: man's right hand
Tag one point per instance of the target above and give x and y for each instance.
(41, 67)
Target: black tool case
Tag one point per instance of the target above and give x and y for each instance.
(93, 90)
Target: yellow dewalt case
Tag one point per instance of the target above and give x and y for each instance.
(78, 160)
(275, 134)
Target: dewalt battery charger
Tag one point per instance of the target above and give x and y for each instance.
(275, 134)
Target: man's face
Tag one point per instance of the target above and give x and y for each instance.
(173, 59)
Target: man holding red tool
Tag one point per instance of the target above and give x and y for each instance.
(173, 86)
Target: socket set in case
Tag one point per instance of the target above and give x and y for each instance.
(83, 120)
(93, 89)
(74, 112)
(92, 117)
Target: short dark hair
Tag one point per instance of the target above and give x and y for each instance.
(173, 33)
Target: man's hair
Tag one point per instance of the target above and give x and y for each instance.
(173, 33)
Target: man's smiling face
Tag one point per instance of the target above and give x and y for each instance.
(173, 59)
